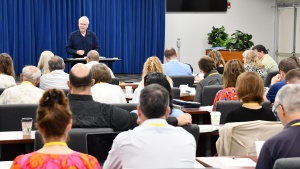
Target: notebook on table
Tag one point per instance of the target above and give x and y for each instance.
(99, 144)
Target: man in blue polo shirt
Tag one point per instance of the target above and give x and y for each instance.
(286, 143)
(80, 42)
(173, 67)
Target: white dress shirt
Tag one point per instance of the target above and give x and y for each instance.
(108, 93)
(55, 79)
(154, 144)
(6, 81)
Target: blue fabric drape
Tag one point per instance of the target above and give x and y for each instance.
(131, 30)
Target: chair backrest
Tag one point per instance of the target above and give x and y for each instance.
(182, 80)
(77, 138)
(237, 139)
(2, 90)
(11, 115)
(209, 94)
(66, 91)
(225, 107)
(99, 144)
(271, 74)
(175, 92)
(126, 106)
(194, 130)
(287, 163)
(115, 81)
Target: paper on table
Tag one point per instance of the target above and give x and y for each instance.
(207, 108)
(242, 162)
(198, 165)
(208, 128)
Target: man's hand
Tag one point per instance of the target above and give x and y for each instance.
(80, 52)
(184, 119)
(276, 79)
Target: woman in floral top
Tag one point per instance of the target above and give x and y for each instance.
(233, 68)
(54, 121)
(253, 64)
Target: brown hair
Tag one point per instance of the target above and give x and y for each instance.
(206, 64)
(233, 68)
(217, 57)
(287, 64)
(251, 57)
(7, 65)
(53, 113)
(100, 73)
(170, 52)
(250, 87)
(293, 76)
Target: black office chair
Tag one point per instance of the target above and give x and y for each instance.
(115, 81)
(287, 163)
(209, 93)
(270, 75)
(225, 107)
(2, 90)
(175, 92)
(182, 80)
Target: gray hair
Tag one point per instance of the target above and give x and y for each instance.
(31, 73)
(93, 55)
(288, 97)
(56, 63)
(84, 18)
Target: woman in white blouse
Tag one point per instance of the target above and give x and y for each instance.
(102, 91)
(7, 72)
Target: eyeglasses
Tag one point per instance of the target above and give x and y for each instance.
(275, 110)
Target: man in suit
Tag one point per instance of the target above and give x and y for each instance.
(284, 144)
(152, 144)
(173, 67)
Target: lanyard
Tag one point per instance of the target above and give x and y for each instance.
(295, 124)
(251, 104)
(157, 124)
(59, 143)
(213, 74)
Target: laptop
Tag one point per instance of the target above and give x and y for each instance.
(99, 144)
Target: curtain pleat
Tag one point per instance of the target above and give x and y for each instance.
(131, 30)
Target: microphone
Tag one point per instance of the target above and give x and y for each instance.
(178, 43)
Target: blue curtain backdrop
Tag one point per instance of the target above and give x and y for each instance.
(131, 30)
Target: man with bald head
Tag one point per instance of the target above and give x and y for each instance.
(57, 78)
(173, 67)
(88, 113)
(93, 58)
(26, 92)
(82, 41)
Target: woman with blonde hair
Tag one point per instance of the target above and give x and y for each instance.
(218, 59)
(233, 68)
(253, 64)
(152, 64)
(54, 121)
(43, 62)
(7, 72)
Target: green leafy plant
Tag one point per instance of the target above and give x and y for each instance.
(217, 37)
(240, 41)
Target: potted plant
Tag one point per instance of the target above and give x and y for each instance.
(217, 37)
(240, 41)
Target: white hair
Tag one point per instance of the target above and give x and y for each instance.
(84, 18)
(31, 73)
(288, 97)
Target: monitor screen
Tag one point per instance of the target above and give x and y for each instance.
(196, 5)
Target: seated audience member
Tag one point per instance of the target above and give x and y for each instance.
(252, 64)
(293, 77)
(233, 68)
(93, 58)
(152, 145)
(102, 91)
(218, 59)
(54, 121)
(152, 64)
(173, 67)
(57, 78)
(284, 144)
(262, 54)
(43, 62)
(250, 90)
(89, 113)
(278, 81)
(161, 79)
(7, 72)
(26, 92)
(211, 76)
